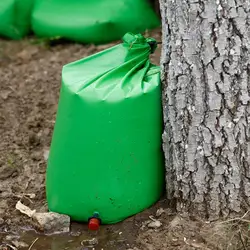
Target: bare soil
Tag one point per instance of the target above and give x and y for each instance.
(30, 79)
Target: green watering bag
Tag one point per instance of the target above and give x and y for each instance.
(15, 18)
(92, 21)
(106, 152)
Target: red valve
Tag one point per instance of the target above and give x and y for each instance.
(94, 224)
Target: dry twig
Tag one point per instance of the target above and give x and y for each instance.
(33, 243)
(242, 240)
(238, 218)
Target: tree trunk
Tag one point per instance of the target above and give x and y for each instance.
(206, 97)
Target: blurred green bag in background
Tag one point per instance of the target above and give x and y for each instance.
(92, 21)
(15, 17)
(106, 154)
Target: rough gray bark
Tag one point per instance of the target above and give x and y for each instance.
(206, 77)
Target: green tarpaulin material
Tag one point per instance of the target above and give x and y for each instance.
(92, 21)
(15, 17)
(106, 154)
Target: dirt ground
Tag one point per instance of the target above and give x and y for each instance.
(30, 78)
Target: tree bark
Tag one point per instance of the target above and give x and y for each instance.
(206, 99)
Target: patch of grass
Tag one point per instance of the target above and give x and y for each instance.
(11, 159)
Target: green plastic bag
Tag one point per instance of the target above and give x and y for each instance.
(15, 18)
(106, 152)
(92, 21)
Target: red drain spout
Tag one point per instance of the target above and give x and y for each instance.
(94, 224)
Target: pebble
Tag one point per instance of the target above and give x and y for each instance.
(154, 224)
(89, 242)
(93, 241)
(159, 212)
(20, 244)
(46, 154)
(75, 234)
(52, 222)
(11, 237)
(48, 222)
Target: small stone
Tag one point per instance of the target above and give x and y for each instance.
(11, 237)
(159, 212)
(93, 241)
(32, 196)
(144, 224)
(75, 234)
(20, 244)
(46, 154)
(175, 222)
(154, 224)
(52, 222)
